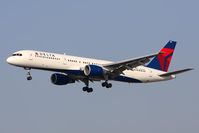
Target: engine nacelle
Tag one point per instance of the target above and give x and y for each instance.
(93, 70)
(61, 79)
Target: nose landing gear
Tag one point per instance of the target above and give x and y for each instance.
(29, 77)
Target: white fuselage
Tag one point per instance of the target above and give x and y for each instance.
(74, 66)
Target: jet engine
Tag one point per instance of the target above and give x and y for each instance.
(94, 70)
(61, 79)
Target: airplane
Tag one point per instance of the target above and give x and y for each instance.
(70, 69)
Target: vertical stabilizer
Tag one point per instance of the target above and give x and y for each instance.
(163, 59)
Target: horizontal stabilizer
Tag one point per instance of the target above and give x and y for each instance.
(175, 72)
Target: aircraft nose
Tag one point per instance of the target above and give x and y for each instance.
(9, 60)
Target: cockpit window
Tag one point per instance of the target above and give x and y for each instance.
(17, 54)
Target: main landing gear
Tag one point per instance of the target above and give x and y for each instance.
(89, 90)
(86, 88)
(106, 84)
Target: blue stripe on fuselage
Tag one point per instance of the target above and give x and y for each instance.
(127, 79)
(119, 78)
(81, 73)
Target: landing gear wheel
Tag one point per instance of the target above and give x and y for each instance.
(29, 78)
(84, 88)
(109, 85)
(106, 84)
(89, 90)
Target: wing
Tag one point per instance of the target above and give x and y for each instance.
(119, 67)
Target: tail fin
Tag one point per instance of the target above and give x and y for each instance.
(163, 59)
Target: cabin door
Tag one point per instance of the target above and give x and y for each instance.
(31, 56)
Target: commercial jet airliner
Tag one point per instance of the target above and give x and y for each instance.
(69, 69)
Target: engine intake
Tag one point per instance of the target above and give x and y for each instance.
(93, 70)
(61, 79)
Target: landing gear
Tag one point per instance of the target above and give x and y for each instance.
(106, 84)
(86, 88)
(29, 77)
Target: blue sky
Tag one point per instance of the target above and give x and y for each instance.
(105, 29)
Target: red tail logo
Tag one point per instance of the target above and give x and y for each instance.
(163, 60)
